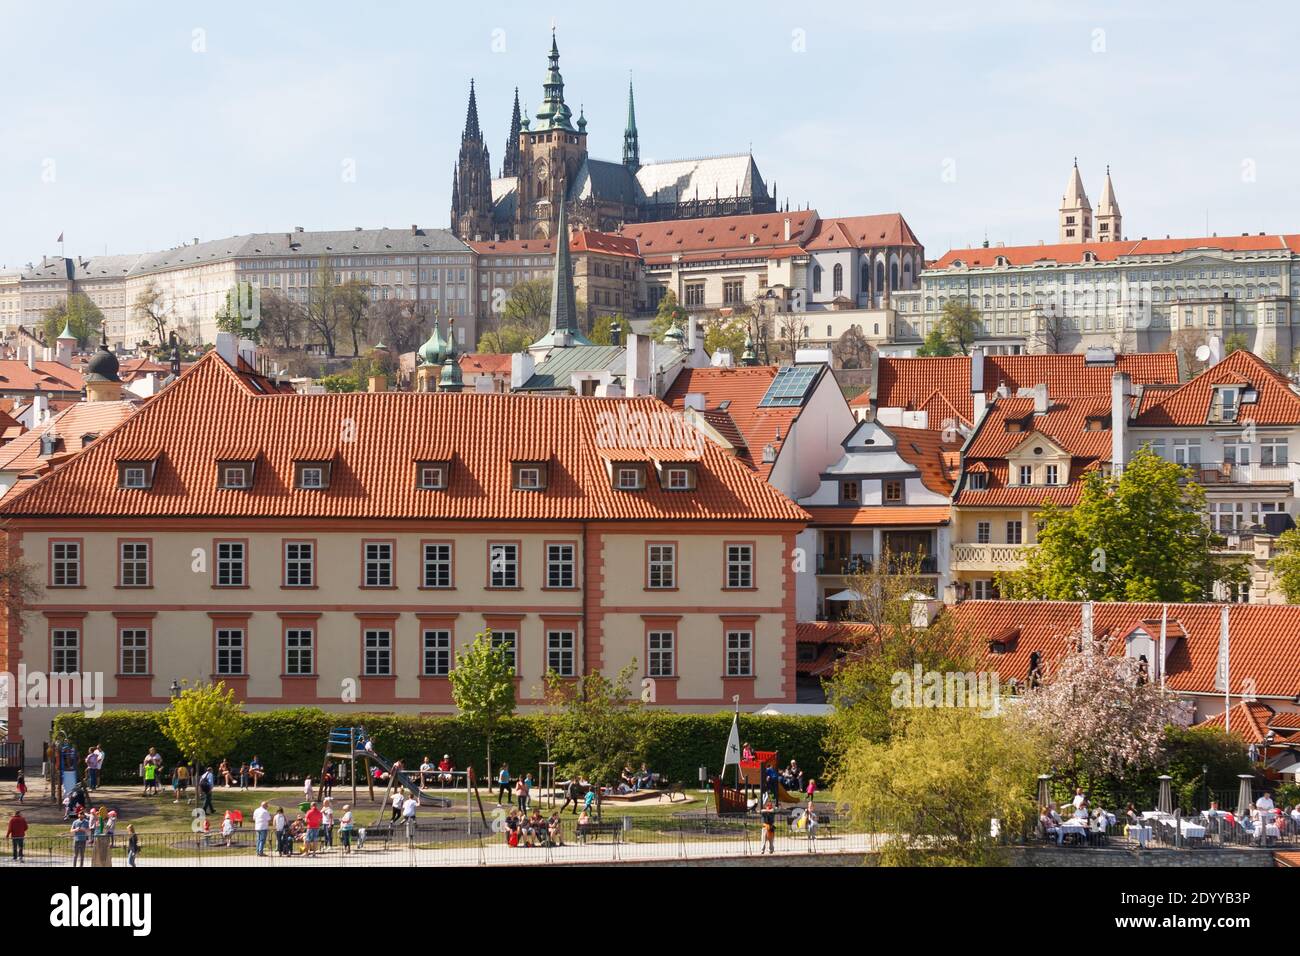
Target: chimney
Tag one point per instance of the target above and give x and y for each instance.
(723, 358)
(377, 383)
(521, 369)
(31, 358)
(415, 229)
(637, 379)
(787, 228)
(692, 333)
(1120, 392)
(40, 408)
(227, 347)
(977, 369)
(1085, 625)
(1041, 400)
(616, 334)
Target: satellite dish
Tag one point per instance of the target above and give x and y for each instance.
(1202, 353)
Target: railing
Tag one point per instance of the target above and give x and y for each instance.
(987, 557)
(844, 563)
(1229, 473)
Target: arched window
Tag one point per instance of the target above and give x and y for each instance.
(864, 279)
(893, 275)
(837, 279)
(817, 278)
(880, 275)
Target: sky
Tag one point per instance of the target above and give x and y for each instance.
(132, 126)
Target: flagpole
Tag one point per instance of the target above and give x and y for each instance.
(736, 699)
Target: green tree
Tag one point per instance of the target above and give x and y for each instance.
(961, 324)
(340, 382)
(204, 722)
(669, 313)
(79, 314)
(507, 339)
(324, 317)
(1286, 564)
(529, 305)
(1141, 536)
(602, 329)
(239, 303)
(938, 782)
(152, 308)
(483, 687)
(725, 332)
(1236, 342)
(602, 730)
(936, 342)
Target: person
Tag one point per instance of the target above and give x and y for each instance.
(642, 778)
(409, 807)
(180, 781)
(297, 832)
(397, 806)
(626, 779)
(207, 783)
(312, 822)
(812, 787)
(572, 794)
(132, 844)
(308, 790)
(1079, 798)
(225, 773)
(1050, 828)
(769, 828)
(810, 821)
(261, 826)
(512, 828)
(503, 783)
(1265, 803)
(227, 829)
(584, 821)
(21, 787)
(16, 834)
(426, 772)
(327, 822)
(80, 836)
(747, 753)
(281, 823)
(526, 830)
(445, 766)
(110, 828)
(255, 770)
(150, 776)
(519, 794)
(244, 777)
(94, 761)
(345, 828)
(528, 792)
(793, 778)
(555, 829)
(327, 779)
(589, 801)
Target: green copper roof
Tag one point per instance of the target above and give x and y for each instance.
(435, 349)
(564, 303)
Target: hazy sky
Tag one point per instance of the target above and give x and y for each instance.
(136, 126)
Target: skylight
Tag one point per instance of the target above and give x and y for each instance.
(790, 386)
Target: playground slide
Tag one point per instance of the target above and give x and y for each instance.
(426, 799)
(785, 796)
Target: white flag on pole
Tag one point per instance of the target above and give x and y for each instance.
(733, 745)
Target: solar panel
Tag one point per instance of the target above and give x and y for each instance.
(790, 386)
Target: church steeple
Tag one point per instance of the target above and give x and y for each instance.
(510, 165)
(1075, 211)
(631, 149)
(471, 183)
(564, 302)
(553, 113)
(1110, 222)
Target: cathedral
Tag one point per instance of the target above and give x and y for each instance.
(546, 166)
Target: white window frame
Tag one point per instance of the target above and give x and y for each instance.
(138, 565)
(68, 565)
(229, 564)
(65, 649)
(133, 660)
(231, 647)
(377, 652)
(561, 649)
(661, 567)
(300, 643)
(296, 565)
(435, 651)
(503, 564)
(661, 653)
(740, 652)
(559, 568)
(135, 477)
(499, 639)
(740, 566)
(435, 566)
(378, 569)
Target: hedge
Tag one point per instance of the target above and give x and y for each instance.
(291, 743)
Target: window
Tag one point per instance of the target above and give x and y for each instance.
(235, 476)
(678, 479)
(437, 564)
(133, 564)
(299, 564)
(695, 294)
(893, 491)
(1273, 451)
(230, 650)
(65, 646)
(1051, 474)
(299, 651)
(231, 558)
(432, 477)
(850, 491)
(1015, 532)
(837, 279)
(559, 652)
(983, 532)
(661, 651)
(437, 652)
(528, 478)
(740, 653)
(134, 651)
(378, 647)
(984, 590)
(629, 478)
(1187, 451)
(560, 565)
(740, 565)
(1026, 474)
(509, 640)
(979, 480)
(817, 278)
(379, 564)
(733, 291)
(311, 477)
(65, 564)
(503, 565)
(134, 476)
(661, 566)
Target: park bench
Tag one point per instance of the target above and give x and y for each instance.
(825, 820)
(592, 832)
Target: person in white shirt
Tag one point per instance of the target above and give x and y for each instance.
(409, 806)
(345, 829)
(327, 822)
(261, 826)
(397, 807)
(281, 823)
(1264, 803)
(308, 791)
(1079, 798)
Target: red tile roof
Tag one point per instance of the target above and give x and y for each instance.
(48, 376)
(862, 232)
(741, 388)
(206, 412)
(1109, 251)
(68, 427)
(1250, 720)
(926, 451)
(827, 515)
(1263, 639)
(485, 363)
(1189, 403)
(721, 234)
(580, 240)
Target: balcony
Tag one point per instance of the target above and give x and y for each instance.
(988, 557)
(846, 564)
(1227, 473)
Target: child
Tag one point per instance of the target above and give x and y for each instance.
(132, 845)
(22, 786)
(769, 828)
(110, 826)
(227, 830)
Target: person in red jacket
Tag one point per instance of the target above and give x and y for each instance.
(17, 833)
(313, 819)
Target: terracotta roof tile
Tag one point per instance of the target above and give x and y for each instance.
(1108, 251)
(862, 232)
(1189, 403)
(720, 234)
(68, 428)
(48, 376)
(741, 389)
(206, 411)
(880, 515)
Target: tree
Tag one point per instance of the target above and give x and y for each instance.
(602, 730)
(152, 308)
(283, 320)
(1236, 342)
(20, 584)
(1098, 713)
(238, 304)
(725, 332)
(852, 349)
(938, 783)
(961, 324)
(507, 339)
(1286, 564)
(204, 722)
(81, 316)
(529, 305)
(399, 323)
(340, 382)
(602, 330)
(352, 300)
(669, 313)
(936, 343)
(324, 317)
(789, 333)
(1051, 329)
(1141, 536)
(483, 687)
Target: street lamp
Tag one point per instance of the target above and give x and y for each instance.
(1205, 782)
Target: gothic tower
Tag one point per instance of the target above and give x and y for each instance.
(1076, 211)
(551, 151)
(1110, 222)
(471, 183)
(631, 150)
(510, 165)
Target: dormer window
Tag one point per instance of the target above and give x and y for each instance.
(431, 475)
(629, 477)
(135, 476)
(979, 480)
(678, 478)
(312, 475)
(1227, 401)
(529, 476)
(1026, 474)
(893, 491)
(235, 475)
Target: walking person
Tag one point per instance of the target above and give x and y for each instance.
(16, 834)
(409, 806)
(80, 837)
(528, 792)
(132, 845)
(21, 787)
(261, 826)
(94, 760)
(312, 819)
(810, 821)
(397, 806)
(345, 829)
(327, 822)
(573, 795)
(281, 824)
(207, 783)
(769, 828)
(503, 783)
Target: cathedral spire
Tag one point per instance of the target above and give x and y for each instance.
(471, 117)
(564, 307)
(553, 113)
(510, 165)
(631, 149)
(471, 184)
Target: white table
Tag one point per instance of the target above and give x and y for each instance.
(1143, 834)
